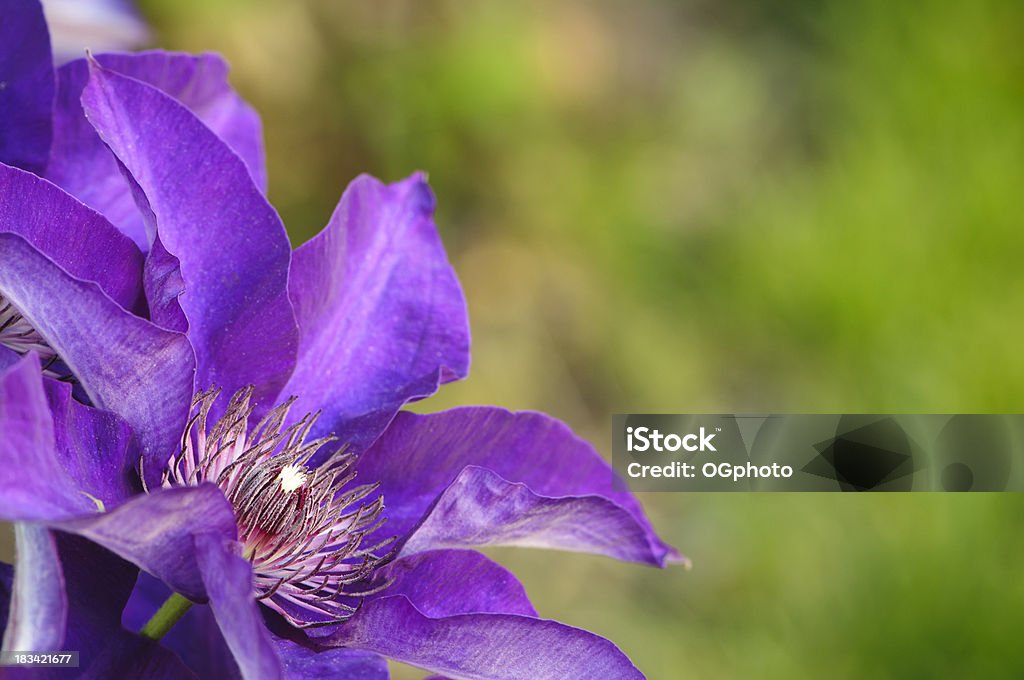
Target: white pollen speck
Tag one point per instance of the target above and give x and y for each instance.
(291, 477)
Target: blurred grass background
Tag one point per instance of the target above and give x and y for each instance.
(702, 207)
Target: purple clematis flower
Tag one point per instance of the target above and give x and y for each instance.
(184, 394)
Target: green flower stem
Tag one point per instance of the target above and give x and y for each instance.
(170, 613)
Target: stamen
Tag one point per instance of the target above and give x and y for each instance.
(17, 334)
(301, 528)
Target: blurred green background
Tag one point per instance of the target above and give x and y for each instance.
(703, 207)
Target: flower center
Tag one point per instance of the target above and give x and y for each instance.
(291, 478)
(301, 528)
(17, 334)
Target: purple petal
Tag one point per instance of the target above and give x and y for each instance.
(125, 655)
(302, 663)
(94, 447)
(164, 285)
(228, 580)
(125, 364)
(382, 317)
(155, 532)
(84, 166)
(486, 476)
(482, 508)
(196, 638)
(446, 582)
(97, 584)
(58, 457)
(482, 646)
(8, 358)
(38, 607)
(232, 248)
(33, 483)
(75, 237)
(26, 98)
